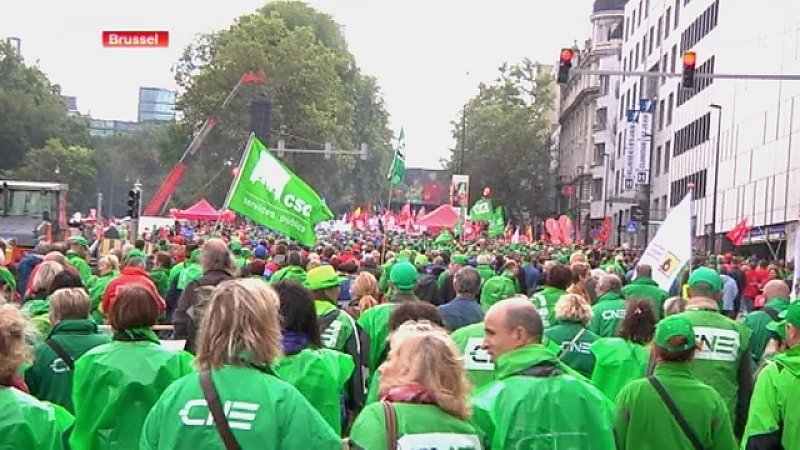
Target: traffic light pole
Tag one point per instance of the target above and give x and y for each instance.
(328, 151)
(720, 76)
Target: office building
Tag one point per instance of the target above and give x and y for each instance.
(100, 127)
(71, 104)
(16, 43)
(156, 105)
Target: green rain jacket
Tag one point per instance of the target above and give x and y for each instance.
(645, 423)
(175, 272)
(96, 291)
(49, 378)
(617, 362)
(269, 414)
(538, 403)
(39, 313)
(320, 375)
(724, 344)
(115, 386)
(757, 322)
(478, 364)
(160, 278)
(383, 283)
(573, 352)
(545, 302)
(608, 312)
(496, 288)
(78, 261)
(774, 417)
(485, 272)
(289, 273)
(192, 271)
(27, 423)
(375, 322)
(418, 427)
(646, 288)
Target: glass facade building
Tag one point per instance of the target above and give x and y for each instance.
(156, 105)
(100, 127)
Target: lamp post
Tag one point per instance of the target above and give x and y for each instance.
(716, 178)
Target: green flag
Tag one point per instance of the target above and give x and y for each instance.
(481, 211)
(398, 169)
(498, 224)
(269, 193)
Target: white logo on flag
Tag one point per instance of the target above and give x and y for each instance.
(269, 172)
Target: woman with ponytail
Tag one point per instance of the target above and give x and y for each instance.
(364, 291)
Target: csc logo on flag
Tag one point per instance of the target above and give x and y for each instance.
(669, 264)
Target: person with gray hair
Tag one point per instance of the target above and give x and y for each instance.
(559, 405)
(218, 266)
(464, 309)
(609, 308)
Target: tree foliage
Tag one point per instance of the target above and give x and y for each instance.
(318, 95)
(508, 139)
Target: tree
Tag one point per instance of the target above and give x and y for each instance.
(508, 139)
(318, 95)
(73, 165)
(31, 111)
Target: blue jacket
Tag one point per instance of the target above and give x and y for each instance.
(24, 269)
(460, 312)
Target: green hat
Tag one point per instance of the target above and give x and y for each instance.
(404, 255)
(461, 260)
(790, 315)
(707, 276)
(321, 278)
(8, 278)
(79, 240)
(135, 253)
(674, 326)
(404, 276)
(421, 260)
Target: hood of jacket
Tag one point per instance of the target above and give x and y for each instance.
(522, 358)
(790, 360)
(777, 304)
(609, 296)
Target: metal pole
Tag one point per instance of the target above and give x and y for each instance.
(605, 186)
(463, 139)
(716, 178)
(719, 76)
(99, 213)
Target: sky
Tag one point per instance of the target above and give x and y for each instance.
(428, 56)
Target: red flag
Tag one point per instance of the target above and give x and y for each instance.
(738, 233)
(253, 78)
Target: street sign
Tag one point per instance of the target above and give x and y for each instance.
(632, 227)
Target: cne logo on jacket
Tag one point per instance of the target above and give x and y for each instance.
(717, 344)
(240, 415)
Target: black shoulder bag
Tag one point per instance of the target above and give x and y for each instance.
(61, 353)
(214, 406)
(676, 414)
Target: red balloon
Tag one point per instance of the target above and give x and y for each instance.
(235, 171)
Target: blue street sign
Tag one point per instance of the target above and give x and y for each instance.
(646, 105)
(632, 227)
(628, 184)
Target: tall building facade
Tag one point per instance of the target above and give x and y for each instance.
(156, 105)
(758, 175)
(588, 106)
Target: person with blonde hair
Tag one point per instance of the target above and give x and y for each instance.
(424, 392)
(73, 333)
(581, 278)
(40, 281)
(26, 423)
(108, 269)
(116, 384)
(570, 338)
(363, 292)
(239, 341)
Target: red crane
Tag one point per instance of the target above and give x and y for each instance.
(167, 188)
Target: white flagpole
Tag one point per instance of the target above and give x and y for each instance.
(235, 181)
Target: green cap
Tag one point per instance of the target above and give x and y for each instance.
(421, 260)
(671, 327)
(705, 275)
(404, 276)
(404, 255)
(135, 253)
(79, 240)
(461, 260)
(790, 315)
(321, 278)
(8, 278)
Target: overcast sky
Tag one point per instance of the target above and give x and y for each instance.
(428, 56)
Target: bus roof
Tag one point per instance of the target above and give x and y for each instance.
(32, 185)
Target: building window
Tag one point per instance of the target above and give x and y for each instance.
(636, 96)
(647, 8)
(651, 39)
(667, 22)
(664, 65)
(659, 30)
(599, 154)
(633, 22)
(597, 189)
(605, 81)
(619, 145)
(658, 161)
(670, 103)
(700, 27)
(600, 119)
(636, 58)
(616, 182)
(692, 134)
(667, 156)
(641, 13)
(627, 28)
(661, 114)
(674, 56)
(677, 13)
(678, 188)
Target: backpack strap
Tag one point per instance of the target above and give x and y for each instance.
(673, 408)
(214, 406)
(772, 314)
(326, 320)
(391, 425)
(61, 353)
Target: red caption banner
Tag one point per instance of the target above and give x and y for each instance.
(136, 39)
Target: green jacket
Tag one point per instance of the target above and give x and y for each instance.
(383, 283)
(27, 423)
(289, 273)
(320, 375)
(418, 426)
(375, 322)
(78, 261)
(175, 272)
(536, 406)
(574, 352)
(478, 364)
(545, 302)
(160, 278)
(757, 322)
(96, 292)
(724, 343)
(496, 288)
(115, 386)
(39, 313)
(617, 362)
(639, 409)
(608, 312)
(485, 272)
(270, 414)
(774, 416)
(192, 271)
(49, 378)
(646, 288)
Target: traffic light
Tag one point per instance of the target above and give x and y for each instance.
(689, 62)
(134, 197)
(564, 64)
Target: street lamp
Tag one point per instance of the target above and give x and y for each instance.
(716, 177)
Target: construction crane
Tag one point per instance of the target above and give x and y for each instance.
(159, 201)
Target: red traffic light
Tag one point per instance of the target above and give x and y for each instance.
(689, 59)
(566, 55)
